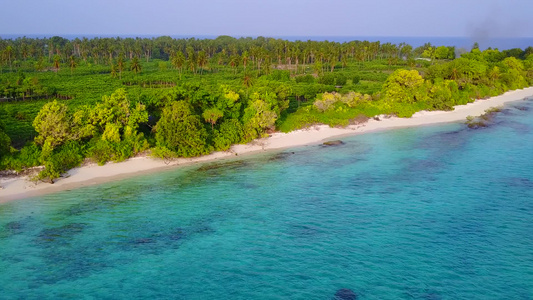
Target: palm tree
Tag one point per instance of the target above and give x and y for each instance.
(113, 71)
(178, 60)
(135, 65)
(50, 51)
(191, 59)
(57, 59)
(211, 115)
(234, 63)
(202, 60)
(39, 65)
(248, 80)
(2, 60)
(72, 63)
(95, 54)
(9, 54)
(245, 58)
(120, 65)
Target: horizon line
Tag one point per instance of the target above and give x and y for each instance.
(254, 36)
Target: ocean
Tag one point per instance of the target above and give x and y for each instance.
(435, 212)
(502, 43)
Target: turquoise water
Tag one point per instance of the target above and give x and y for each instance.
(441, 212)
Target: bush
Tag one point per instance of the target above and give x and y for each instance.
(230, 132)
(300, 119)
(164, 153)
(326, 101)
(305, 79)
(66, 157)
(333, 79)
(181, 131)
(328, 79)
(279, 75)
(29, 156)
(5, 144)
(340, 79)
(101, 151)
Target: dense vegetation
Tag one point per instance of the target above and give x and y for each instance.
(107, 99)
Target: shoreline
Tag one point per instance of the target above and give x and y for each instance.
(21, 187)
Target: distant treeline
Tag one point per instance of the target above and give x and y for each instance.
(197, 53)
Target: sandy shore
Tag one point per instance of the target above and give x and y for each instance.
(21, 187)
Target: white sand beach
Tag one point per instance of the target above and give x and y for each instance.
(21, 187)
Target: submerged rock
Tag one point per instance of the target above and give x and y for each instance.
(61, 234)
(280, 156)
(333, 143)
(345, 294)
(222, 165)
(143, 241)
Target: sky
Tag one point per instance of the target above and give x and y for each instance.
(276, 18)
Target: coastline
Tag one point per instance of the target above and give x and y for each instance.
(21, 187)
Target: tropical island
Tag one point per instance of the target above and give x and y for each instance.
(64, 102)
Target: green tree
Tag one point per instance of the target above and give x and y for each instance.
(402, 86)
(57, 60)
(113, 122)
(113, 71)
(117, 109)
(39, 65)
(258, 117)
(211, 115)
(135, 65)
(181, 131)
(67, 157)
(514, 74)
(234, 63)
(178, 61)
(202, 60)
(441, 52)
(5, 143)
(9, 56)
(120, 65)
(52, 123)
(245, 58)
(72, 63)
(229, 133)
(465, 70)
(54, 126)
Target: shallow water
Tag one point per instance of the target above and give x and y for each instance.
(441, 212)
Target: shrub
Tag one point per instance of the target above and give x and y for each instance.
(66, 157)
(279, 75)
(328, 79)
(229, 133)
(5, 144)
(326, 101)
(333, 79)
(340, 79)
(305, 79)
(164, 153)
(101, 151)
